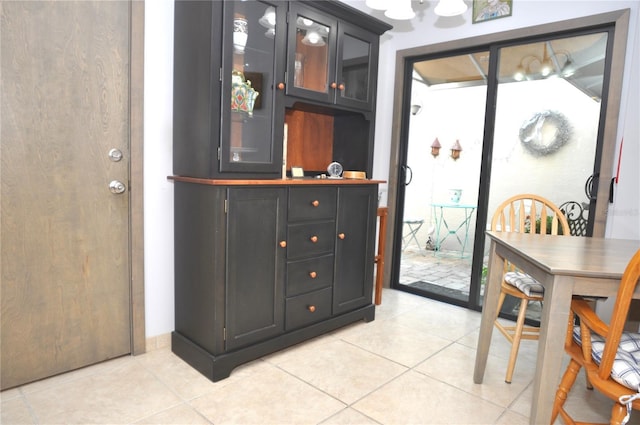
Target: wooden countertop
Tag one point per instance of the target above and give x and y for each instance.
(274, 182)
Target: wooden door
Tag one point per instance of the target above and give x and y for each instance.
(65, 251)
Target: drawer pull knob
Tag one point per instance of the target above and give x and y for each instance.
(340, 235)
(313, 275)
(315, 203)
(280, 86)
(334, 85)
(313, 239)
(283, 244)
(341, 86)
(311, 308)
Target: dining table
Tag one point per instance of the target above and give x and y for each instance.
(566, 266)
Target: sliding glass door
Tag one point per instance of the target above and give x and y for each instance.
(480, 126)
(442, 175)
(546, 127)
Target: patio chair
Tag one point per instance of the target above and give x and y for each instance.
(577, 217)
(525, 213)
(610, 356)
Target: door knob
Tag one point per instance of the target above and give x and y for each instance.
(117, 187)
(115, 155)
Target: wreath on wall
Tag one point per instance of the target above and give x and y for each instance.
(545, 132)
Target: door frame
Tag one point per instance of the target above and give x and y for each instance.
(136, 183)
(620, 20)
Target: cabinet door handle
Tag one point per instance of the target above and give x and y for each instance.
(334, 85)
(341, 86)
(340, 235)
(313, 239)
(311, 308)
(313, 275)
(280, 86)
(283, 244)
(315, 203)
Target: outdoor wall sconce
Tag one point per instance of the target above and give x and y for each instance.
(435, 148)
(455, 150)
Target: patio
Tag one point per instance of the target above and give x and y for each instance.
(444, 273)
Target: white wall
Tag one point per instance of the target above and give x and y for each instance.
(624, 214)
(158, 154)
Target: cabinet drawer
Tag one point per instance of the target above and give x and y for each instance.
(309, 275)
(310, 239)
(308, 308)
(312, 203)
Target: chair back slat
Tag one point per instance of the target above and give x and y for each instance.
(522, 212)
(531, 217)
(529, 213)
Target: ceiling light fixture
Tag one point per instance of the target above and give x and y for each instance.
(268, 20)
(398, 10)
(449, 8)
(532, 65)
(568, 68)
(520, 73)
(312, 38)
(524, 69)
(378, 4)
(547, 65)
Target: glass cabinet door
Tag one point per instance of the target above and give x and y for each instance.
(252, 127)
(356, 74)
(311, 61)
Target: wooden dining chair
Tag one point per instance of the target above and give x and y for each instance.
(524, 213)
(610, 356)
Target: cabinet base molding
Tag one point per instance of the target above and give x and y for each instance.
(217, 368)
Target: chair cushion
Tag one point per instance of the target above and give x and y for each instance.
(626, 366)
(525, 283)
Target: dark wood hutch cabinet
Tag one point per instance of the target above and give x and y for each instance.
(262, 260)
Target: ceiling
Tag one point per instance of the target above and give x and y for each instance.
(579, 60)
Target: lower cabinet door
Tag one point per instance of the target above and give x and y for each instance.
(255, 265)
(354, 254)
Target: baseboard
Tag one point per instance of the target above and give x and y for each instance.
(158, 342)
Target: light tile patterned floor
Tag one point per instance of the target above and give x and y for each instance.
(412, 365)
